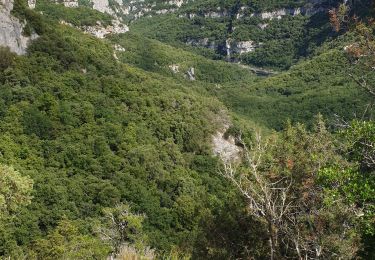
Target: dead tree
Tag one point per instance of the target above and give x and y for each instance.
(267, 195)
(287, 199)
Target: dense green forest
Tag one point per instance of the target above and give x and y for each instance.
(282, 42)
(106, 145)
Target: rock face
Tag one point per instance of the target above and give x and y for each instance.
(205, 42)
(177, 3)
(225, 148)
(102, 6)
(100, 32)
(278, 14)
(122, 12)
(133, 9)
(232, 47)
(311, 7)
(191, 74)
(70, 3)
(175, 68)
(11, 29)
(244, 47)
(31, 3)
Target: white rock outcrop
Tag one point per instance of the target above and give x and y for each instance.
(137, 9)
(205, 42)
(119, 48)
(70, 3)
(232, 47)
(278, 14)
(191, 74)
(31, 3)
(216, 14)
(175, 68)
(312, 7)
(102, 6)
(225, 148)
(244, 47)
(272, 15)
(11, 29)
(101, 32)
(263, 25)
(177, 3)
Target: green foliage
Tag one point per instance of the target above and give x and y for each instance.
(94, 132)
(292, 37)
(301, 154)
(15, 191)
(281, 44)
(83, 15)
(15, 195)
(6, 58)
(66, 242)
(320, 85)
(34, 23)
(357, 189)
(360, 136)
(355, 185)
(315, 86)
(85, 3)
(155, 56)
(121, 226)
(358, 185)
(282, 171)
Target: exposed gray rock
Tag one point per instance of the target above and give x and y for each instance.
(137, 9)
(119, 48)
(31, 3)
(191, 74)
(228, 46)
(11, 29)
(115, 56)
(278, 14)
(232, 47)
(164, 11)
(177, 3)
(102, 6)
(263, 25)
(217, 14)
(312, 7)
(225, 148)
(244, 47)
(101, 32)
(272, 15)
(174, 68)
(70, 3)
(205, 42)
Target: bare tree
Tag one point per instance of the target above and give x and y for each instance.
(267, 195)
(121, 227)
(278, 179)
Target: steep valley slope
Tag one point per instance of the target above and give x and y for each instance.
(104, 103)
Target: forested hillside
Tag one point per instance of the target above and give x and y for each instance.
(262, 33)
(210, 130)
(318, 85)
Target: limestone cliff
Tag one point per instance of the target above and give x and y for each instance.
(11, 29)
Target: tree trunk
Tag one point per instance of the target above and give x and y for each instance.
(272, 239)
